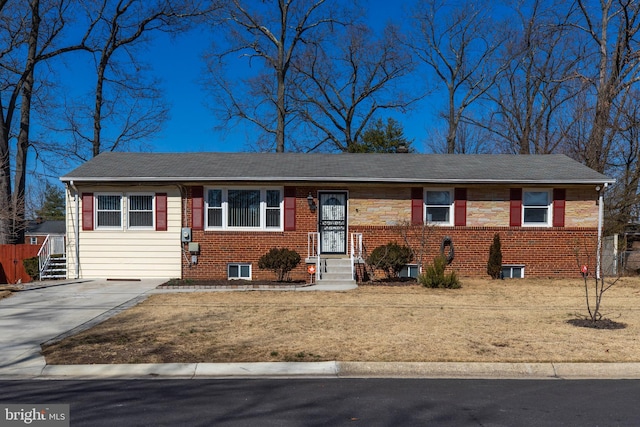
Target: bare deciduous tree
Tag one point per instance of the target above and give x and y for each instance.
(269, 35)
(613, 27)
(125, 105)
(533, 94)
(30, 32)
(458, 42)
(595, 285)
(341, 88)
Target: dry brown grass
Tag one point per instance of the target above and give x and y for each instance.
(507, 321)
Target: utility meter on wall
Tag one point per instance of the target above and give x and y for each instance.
(186, 235)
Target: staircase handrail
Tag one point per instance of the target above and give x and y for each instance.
(44, 256)
(356, 245)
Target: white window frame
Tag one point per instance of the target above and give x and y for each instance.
(408, 269)
(33, 240)
(96, 211)
(153, 212)
(263, 209)
(426, 206)
(549, 207)
(239, 265)
(511, 267)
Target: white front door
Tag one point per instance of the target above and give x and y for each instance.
(333, 222)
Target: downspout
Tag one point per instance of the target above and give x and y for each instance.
(600, 222)
(76, 228)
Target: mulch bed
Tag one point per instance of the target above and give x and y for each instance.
(599, 324)
(231, 284)
(265, 284)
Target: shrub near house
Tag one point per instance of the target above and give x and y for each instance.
(280, 261)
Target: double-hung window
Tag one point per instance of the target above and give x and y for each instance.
(244, 208)
(536, 208)
(439, 206)
(136, 210)
(108, 212)
(214, 208)
(140, 210)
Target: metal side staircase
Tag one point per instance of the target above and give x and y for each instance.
(56, 268)
(52, 259)
(335, 271)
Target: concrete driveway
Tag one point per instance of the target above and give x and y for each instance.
(32, 317)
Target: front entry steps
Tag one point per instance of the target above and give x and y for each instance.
(335, 272)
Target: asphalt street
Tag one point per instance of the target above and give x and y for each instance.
(336, 402)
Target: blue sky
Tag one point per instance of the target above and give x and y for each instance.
(178, 62)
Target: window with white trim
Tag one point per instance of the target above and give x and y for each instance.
(140, 211)
(244, 208)
(108, 211)
(214, 208)
(33, 240)
(536, 208)
(439, 206)
(515, 271)
(410, 270)
(239, 271)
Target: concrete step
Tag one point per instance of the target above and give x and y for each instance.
(335, 271)
(322, 282)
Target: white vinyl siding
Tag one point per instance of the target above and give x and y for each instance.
(130, 253)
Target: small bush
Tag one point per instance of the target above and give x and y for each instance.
(434, 276)
(32, 266)
(494, 265)
(391, 258)
(280, 261)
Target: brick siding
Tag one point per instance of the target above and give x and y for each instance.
(377, 213)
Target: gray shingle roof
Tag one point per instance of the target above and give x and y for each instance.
(299, 167)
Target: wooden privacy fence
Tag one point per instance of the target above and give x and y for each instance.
(11, 256)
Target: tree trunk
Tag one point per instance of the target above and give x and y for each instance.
(22, 148)
(5, 187)
(281, 112)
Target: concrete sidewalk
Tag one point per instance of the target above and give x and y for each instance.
(45, 312)
(440, 370)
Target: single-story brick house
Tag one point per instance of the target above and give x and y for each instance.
(212, 215)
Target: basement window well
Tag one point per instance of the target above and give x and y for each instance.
(514, 271)
(410, 270)
(239, 271)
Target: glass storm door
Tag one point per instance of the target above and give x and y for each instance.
(333, 223)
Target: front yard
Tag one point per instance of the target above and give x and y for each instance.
(485, 321)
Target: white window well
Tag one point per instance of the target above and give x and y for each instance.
(439, 206)
(239, 271)
(536, 208)
(244, 208)
(515, 271)
(410, 270)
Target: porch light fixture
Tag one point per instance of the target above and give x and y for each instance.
(312, 204)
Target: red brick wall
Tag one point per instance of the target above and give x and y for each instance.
(545, 252)
(219, 248)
